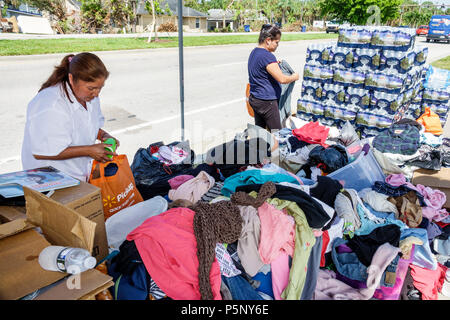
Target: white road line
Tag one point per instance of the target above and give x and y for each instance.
(147, 124)
(189, 113)
(9, 159)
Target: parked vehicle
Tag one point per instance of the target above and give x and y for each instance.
(332, 26)
(439, 28)
(422, 30)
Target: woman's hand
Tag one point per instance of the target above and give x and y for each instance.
(103, 135)
(99, 153)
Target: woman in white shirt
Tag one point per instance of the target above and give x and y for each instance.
(64, 119)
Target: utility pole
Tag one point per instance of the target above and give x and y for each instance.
(181, 63)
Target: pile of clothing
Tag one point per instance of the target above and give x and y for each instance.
(409, 145)
(259, 222)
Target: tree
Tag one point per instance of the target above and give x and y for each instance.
(120, 12)
(153, 7)
(356, 11)
(94, 15)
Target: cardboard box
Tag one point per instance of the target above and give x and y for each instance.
(89, 284)
(435, 180)
(13, 220)
(20, 271)
(20, 246)
(86, 199)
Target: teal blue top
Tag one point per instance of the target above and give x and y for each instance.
(253, 177)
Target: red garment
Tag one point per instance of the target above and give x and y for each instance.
(313, 133)
(442, 224)
(428, 282)
(325, 241)
(168, 248)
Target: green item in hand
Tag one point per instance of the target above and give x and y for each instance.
(112, 148)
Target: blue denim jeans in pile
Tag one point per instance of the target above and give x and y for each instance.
(349, 266)
(240, 288)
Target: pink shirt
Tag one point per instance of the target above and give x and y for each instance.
(168, 248)
(277, 233)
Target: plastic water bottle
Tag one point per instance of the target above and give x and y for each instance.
(66, 259)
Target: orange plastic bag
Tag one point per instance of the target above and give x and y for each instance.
(431, 122)
(249, 107)
(119, 190)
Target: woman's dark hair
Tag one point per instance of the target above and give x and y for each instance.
(83, 66)
(268, 31)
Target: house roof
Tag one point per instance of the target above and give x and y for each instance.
(173, 5)
(217, 14)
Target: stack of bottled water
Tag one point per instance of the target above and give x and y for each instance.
(372, 76)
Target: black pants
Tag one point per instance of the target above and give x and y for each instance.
(267, 115)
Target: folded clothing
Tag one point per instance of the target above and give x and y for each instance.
(315, 214)
(399, 138)
(312, 132)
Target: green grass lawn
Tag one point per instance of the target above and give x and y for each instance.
(45, 46)
(443, 63)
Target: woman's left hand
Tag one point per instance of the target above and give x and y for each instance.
(107, 136)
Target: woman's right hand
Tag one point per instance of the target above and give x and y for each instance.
(296, 76)
(98, 152)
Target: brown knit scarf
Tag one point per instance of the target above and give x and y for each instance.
(267, 190)
(219, 222)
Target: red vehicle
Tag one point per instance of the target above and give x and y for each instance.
(422, 30)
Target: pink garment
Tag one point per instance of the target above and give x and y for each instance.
(433, 214)
(399, 179)
(330, 288)
(179, 180)
(428, 282)
(393, 293)
(277, 233)
(280, 274)
(433, 198)
(168, 248)
(193, 189)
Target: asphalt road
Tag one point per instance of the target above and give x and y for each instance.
(141, 98)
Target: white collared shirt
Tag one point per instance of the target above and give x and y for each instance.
(54, 123)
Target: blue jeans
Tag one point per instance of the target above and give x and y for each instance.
(240, 288)
(348, 265)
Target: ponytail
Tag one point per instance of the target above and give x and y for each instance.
(83, 66)
(59, 75)
(268, 31)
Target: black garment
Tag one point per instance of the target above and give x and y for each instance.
(445, 152)
(231, 156)
(151, 175)
(365, 246)
(326, 190)
(267, 114)
(409, 292)
(409, 122)
(429, 158)
(314, 212)
(328, 159)
(125, 262)
(295, 143)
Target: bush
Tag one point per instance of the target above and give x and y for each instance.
(256, 25)
(293, 27)
(167, 27)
